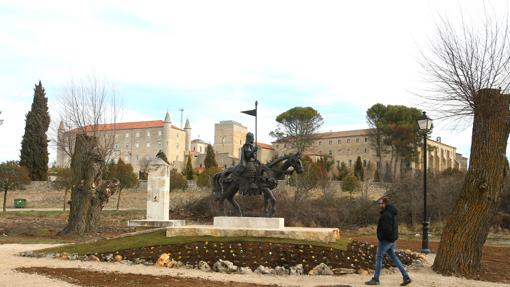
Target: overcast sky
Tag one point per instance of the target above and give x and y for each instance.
(216, 58)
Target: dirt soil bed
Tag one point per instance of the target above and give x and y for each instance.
(495, 258)
(85, 277)
(358, 255)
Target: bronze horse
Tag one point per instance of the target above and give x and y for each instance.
(226, 184)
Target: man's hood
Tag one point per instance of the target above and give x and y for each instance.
(391, 209)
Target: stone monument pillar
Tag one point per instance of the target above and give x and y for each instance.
(158, 197)
(158, 190)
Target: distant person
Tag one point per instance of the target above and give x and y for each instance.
(387, 234)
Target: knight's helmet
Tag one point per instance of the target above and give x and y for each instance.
(250, 138)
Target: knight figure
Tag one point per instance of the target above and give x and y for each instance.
(247, 168)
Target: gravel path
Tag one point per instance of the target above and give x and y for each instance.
(9, 261)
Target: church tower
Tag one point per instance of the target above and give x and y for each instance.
(167, 127)
(187, 129)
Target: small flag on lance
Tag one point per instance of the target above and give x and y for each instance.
(253, 113)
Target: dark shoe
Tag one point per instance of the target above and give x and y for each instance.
(372, 282)
(407, 281)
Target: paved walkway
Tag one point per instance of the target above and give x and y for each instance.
(9, 261)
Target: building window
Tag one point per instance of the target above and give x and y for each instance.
(366, 139)
(159, 133)
(177, 135)
(137, 157)
(338, 163)
(339, 141)
(116, 146)
(348, 140)
(330, 141)
(330, 152)
(284, 145)
(277, 146)
(127, 135)
(350, 163)
(137, 134)
(159, 145)
(148, 134)
(366, 150)
(148, 144)
(127, 146)
(357, 140)
(319, 143)
(364, 162)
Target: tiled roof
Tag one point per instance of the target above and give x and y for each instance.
(329, 135)
(125, 126)
(266, 146)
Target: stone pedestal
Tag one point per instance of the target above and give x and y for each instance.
(255, 227)
(248, 222)
(158, 198)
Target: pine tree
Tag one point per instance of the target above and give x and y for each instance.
(210, 159)
(358, 169)
(189, 168)
(34, 146)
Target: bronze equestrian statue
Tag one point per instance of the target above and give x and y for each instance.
(250, 177)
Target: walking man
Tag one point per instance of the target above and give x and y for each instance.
(387, 234)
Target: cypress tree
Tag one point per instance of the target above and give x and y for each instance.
(210, 159)
(189, 168)
(34, 145)
(358, 169)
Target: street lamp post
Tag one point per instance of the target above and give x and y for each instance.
(425, 125)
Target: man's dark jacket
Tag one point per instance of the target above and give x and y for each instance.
(387, 228)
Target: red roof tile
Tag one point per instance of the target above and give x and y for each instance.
(266, 146)
(125, 126)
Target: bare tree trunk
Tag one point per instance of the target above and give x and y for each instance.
(65, 198)
(118, 198)
(5, 200)
(89, 194)
(460, 249)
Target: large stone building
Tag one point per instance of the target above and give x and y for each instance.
(229, 137)
(346, 146)
(135, 142)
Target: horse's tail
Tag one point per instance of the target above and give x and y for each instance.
(217, 187)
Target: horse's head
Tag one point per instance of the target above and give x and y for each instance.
(295, 162)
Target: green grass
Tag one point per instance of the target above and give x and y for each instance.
(159, 238)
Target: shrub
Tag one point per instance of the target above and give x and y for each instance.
(350, 184)
(177, 180)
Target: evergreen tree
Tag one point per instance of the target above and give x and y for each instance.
(210, 159)
(358, 169)
(189, 168)
(34, 146)
(343, 171)
(124, 173)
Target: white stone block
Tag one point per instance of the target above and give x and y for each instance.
(248, 222)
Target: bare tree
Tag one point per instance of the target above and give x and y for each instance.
(88, 116)
(469, 68)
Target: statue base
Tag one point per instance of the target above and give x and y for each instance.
(255, 227)
(150, 223)
(248, 222)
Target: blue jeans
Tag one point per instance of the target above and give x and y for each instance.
(387, 247)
